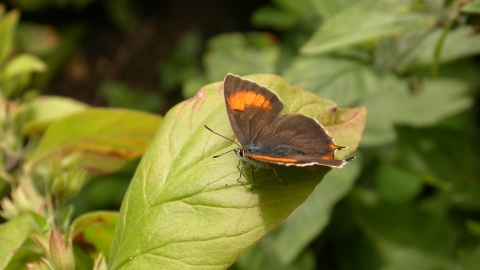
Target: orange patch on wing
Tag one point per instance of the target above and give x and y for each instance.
(273, 159)
(242, 99)
(328, 157)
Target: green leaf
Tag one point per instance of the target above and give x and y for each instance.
(240, 54)
(472, 7)
(343, 80)
(471, 258)
(311, 217)
(13, 233)
(37, 39)
(396, 185)
(459, 43)
(386, 97)
(262, 256)
(48, 109)
(104, 139)
(364, 21)
(21, 257)
(186, 209)
(7, 30)
(406, 236)
(329, 8)
(94, 231)
(24, 64)
(473, 227)
(271, 17)
(434, 154)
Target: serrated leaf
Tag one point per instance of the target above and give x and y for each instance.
(103, 137)
(386, 97)
(94, 231)
(364, 21)
(24, 64)
(184, 209)
(240, 54)
(13, 233)
(460, 43)
(47, 109)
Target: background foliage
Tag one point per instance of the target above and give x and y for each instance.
(410, 200)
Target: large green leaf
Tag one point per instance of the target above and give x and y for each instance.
(104, 138)
(386, 97)
(364, 21)
(12, 234)
(240, 54)
(184, 209)
(460, 43)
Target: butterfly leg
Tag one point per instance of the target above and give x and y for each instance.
(241, 169)
(253, 177)
(279, 179)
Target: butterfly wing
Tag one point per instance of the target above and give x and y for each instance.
(250, 107)
(295, 139)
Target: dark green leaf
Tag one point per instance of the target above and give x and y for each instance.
(262, 256)
(273, 18)
(311, 217)
(186, 209)
(434, 154)
(396, 185)
(407, 237)
(471, 258)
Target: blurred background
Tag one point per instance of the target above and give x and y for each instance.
(411, 199)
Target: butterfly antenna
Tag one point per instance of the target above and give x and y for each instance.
(222, 137)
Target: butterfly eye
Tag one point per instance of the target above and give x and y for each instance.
(239, 152)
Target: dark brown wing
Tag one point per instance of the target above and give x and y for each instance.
(250, 107)
(294, 139)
